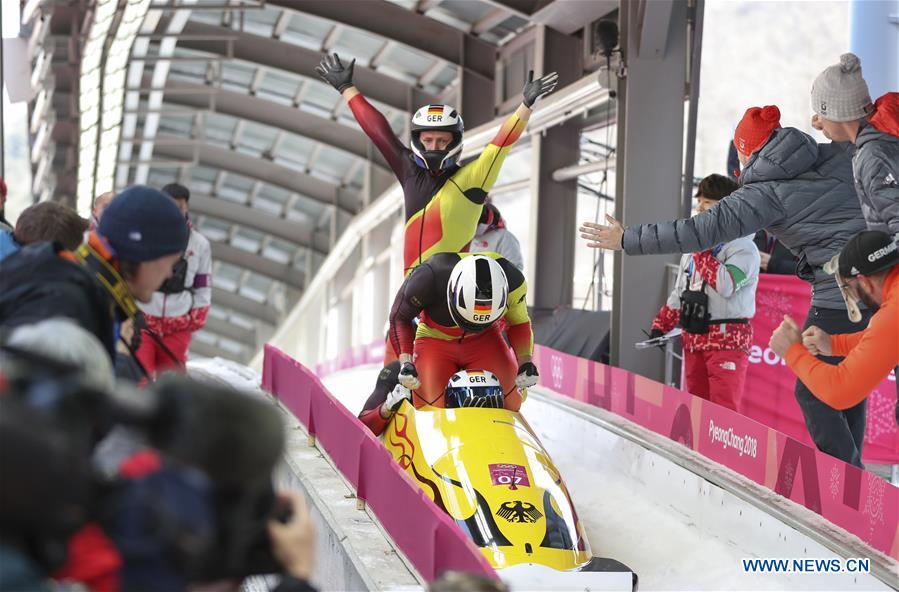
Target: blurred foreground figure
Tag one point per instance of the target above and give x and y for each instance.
(193, 504)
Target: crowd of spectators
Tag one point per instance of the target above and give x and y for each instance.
(815, 199)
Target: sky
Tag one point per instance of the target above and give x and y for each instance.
(762, 53)
(15, 147)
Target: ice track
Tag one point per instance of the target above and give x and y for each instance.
(674, 528)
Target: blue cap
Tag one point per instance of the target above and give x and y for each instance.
(142, 224)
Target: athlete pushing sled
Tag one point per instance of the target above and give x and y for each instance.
(460, 298)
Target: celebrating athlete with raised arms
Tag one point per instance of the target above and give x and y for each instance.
(443, 200)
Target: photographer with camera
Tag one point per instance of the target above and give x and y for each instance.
(179, 307)
(713, 301)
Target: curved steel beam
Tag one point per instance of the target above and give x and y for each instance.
(396, 23)
(272, 53)
(258, 264)
(208, 350)
(258, 168)
(231, 331)
(300, 232)
(282, 117)
(246, 306)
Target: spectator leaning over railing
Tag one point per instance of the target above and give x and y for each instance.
(179, 307)
(141, 235)
(800, 191)
(723, 279)
(844, 112)
(868, 270)
(45, 221)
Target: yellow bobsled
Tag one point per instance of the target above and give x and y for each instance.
(488, 470)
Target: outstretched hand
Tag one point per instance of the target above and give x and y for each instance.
(332, 71)
(534, 89)
(603, 237)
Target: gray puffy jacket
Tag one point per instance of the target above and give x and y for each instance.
(797, 190)
(876, 168)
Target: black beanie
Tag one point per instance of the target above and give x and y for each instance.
(143, 224)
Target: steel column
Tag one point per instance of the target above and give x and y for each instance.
(554, 203)
(649, 165)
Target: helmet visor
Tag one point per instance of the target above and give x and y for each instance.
(489, 397)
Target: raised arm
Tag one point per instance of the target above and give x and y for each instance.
(482, 172)
(372, 122)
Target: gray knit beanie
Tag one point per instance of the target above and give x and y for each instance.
(839, 93)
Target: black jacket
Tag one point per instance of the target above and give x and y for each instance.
(37, 284)
(782, 261)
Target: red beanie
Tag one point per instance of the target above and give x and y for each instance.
(755, 128)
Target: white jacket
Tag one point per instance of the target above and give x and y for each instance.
(733, 296)
(185, 311)
(489, 239)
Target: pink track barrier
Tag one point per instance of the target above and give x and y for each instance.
(428, 537)
(856, 500)
(787, 463)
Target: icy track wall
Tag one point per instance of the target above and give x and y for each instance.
(428, 538)
(860, 502)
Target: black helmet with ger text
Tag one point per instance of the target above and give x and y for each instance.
(477, 293)
(437, 118)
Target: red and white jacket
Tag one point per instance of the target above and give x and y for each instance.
(731, 273)
(185, 311)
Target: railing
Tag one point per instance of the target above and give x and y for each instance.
(428, 538)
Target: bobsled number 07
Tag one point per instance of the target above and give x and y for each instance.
(488, 471)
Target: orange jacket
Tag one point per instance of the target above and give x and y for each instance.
(869, 356)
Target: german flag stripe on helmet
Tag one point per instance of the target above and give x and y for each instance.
(435, 109)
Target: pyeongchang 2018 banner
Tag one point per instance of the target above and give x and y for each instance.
(768, 397)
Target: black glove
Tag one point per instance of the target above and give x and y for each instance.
(527, 375)
(655, 333)
(335, 73)
(408, 376)
(534, 89)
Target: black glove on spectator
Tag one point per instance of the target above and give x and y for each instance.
(335, 73)
(534, 89)
(655, 333)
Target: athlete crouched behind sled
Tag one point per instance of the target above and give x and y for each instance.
(460, 297)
